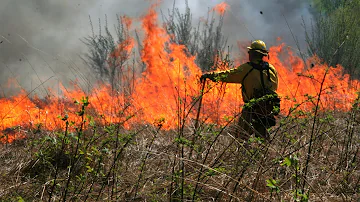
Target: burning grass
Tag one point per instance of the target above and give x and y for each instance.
(152, 145)
(170, 85)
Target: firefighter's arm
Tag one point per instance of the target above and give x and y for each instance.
(235, 75)
(274, 76)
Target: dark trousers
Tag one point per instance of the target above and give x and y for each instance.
(254, 121)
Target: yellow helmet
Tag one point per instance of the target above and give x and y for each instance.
(259, 46)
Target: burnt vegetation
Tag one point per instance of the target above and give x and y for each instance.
(312, 155)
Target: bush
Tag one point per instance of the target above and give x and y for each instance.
(334, 36)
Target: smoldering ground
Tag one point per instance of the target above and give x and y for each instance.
(40, 38)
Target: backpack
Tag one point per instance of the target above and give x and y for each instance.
(266, 102)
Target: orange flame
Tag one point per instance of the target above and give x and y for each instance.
(167, 90)
(299, 84)
(220, 8)
(124, 48)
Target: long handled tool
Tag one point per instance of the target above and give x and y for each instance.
(197, 116)
(200, 103)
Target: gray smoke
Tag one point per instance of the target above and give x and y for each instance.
(40, 38)
(247, 20)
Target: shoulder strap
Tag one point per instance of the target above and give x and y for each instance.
(242, 82)
(247, 73)
(262, 80)
(264, 66)
(267, 67)
(260, 68)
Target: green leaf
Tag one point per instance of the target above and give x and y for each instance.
(286, 162)
(89, 169)
(20, 199)
(105, 150)
(291, 161)
(272, 184)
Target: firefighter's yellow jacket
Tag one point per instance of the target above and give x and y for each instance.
(251, 82)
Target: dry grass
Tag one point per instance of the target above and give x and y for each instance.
(154, 165)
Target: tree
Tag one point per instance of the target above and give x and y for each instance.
(107, 56)
(206, 41)
(335, 35)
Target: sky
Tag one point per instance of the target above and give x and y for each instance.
(40, 39)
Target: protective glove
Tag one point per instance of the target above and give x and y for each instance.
(204, 77)
(207, 76)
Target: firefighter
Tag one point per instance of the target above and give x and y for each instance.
(259, 82)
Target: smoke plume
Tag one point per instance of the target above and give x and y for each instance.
(40, 38)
